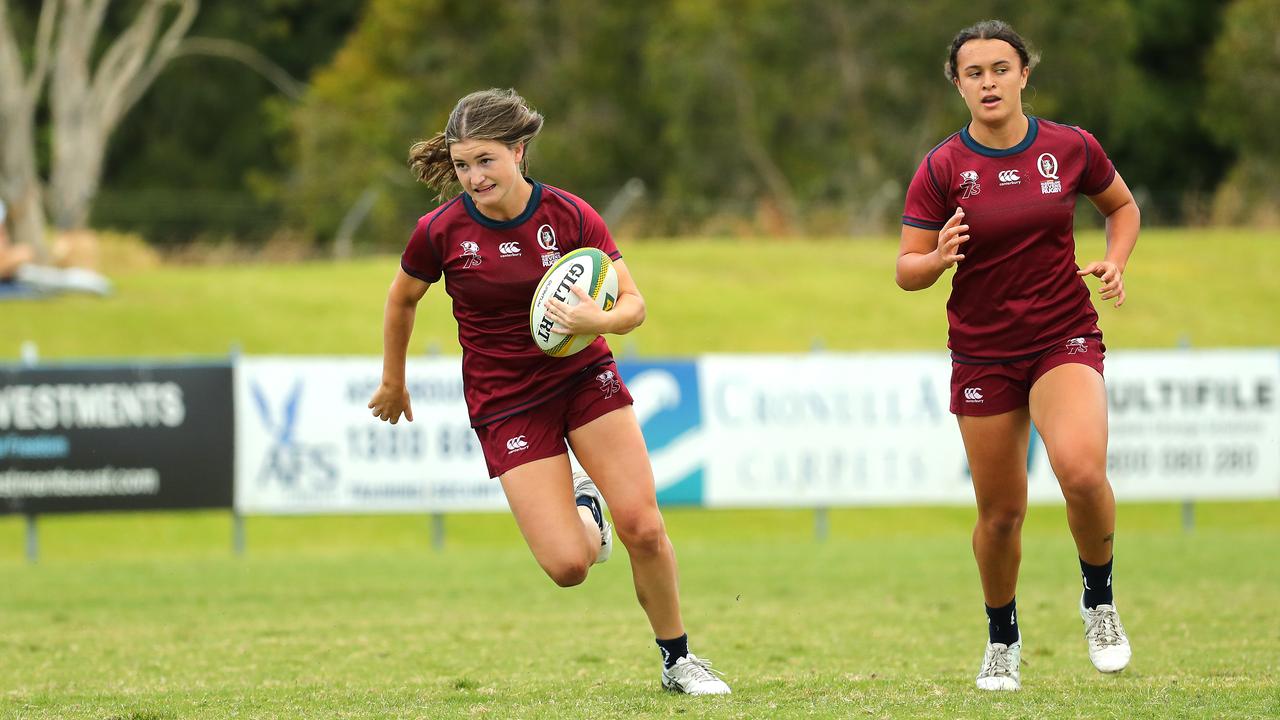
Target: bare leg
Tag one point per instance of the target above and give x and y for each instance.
(612, 451)
(997, 449)
(1069, 406)
(563, 537)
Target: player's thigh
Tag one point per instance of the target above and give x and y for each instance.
(1069, 408)
(612, 450)
(996, 446)
(540, 494)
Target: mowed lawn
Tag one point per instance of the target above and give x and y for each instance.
(151, 616)
(1209, 288)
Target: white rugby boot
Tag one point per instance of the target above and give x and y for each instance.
(582, 485)
(1108, 644)
(693, 675)
(1000, 665)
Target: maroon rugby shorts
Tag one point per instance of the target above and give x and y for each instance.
(991, 388)
(540, 431)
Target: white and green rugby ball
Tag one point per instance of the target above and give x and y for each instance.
(589, 269)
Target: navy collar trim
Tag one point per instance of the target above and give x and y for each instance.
(529, 209)
(1033, 129)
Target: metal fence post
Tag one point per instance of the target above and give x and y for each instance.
(33, 540)
(1188, 505)
(437, 531)
(821, 524)
(237, 533)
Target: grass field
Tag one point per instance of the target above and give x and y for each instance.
(1211, 288)
(150, 616)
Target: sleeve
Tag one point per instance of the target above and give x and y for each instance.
(596, 234)
(420, 258)
(926, 206)
(1098, 169)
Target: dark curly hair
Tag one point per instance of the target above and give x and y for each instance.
(989, 30)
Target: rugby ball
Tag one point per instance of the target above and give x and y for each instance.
(589, 269)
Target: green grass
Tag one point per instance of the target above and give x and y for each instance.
(150, 616)
(1213, 288)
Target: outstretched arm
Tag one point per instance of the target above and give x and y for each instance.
(391, 399)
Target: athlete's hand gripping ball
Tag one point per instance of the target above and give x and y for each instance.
(950, 237)
(585, 318)
(1112, 279)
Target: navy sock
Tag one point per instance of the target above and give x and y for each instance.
(1002, 623)
(673, 650)
(1097, 584)
(590, 503)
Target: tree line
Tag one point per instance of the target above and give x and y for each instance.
(678, 116)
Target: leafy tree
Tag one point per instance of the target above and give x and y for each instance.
(92, 82)
(205, 153)
(1243, 110)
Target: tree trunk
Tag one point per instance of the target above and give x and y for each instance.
(88, 103)
(20, 187)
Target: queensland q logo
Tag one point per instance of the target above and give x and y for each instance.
(547, 238)
(1048, 166)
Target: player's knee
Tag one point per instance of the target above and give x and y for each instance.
(643, 533)
(1002, 520)
(1080, 478)
(567, 572)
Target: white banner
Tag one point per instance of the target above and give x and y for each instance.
(306, 441)
(827, 429)
(1194, 424)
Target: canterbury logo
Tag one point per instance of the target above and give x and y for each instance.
(973, 394)
(516, 443)
(509, 249)
(1009, 176)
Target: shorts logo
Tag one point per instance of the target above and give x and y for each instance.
(1047, 164)
(516, 444)
(608, 383)
(509, 249)
(470, 254)
(1009, 177)
(1077, 346)
(969, 183)
(973, 395)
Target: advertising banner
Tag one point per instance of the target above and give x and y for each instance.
(136, 437)
(820, 429)
(831, 429)
(308, 443)
(1194, 424)
(668, 405)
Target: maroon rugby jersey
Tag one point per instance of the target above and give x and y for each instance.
(1016, 292)
(491, 269)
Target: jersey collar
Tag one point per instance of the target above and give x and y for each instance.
(530, 207)
(1033, 129)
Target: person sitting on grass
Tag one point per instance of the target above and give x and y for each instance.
(19, 269)
(12, 256)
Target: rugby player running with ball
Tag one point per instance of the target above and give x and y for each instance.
(492, 243)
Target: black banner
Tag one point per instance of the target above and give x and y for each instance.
(136, 437)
